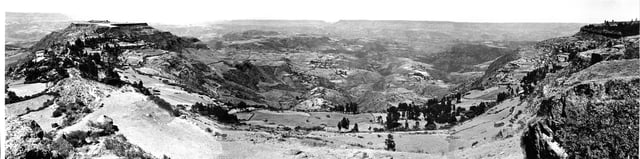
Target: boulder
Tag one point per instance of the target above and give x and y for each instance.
(359, 155)
(103, 122)
(25, 139)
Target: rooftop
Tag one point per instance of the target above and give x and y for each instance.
(107, 23)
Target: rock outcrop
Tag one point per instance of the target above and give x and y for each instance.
(595, 115)
(25, 139)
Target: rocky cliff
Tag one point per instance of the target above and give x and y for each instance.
(586, 106)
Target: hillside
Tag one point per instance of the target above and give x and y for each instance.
(29, 27)
(102, 89)
(577, 100)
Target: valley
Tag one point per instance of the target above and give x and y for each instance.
(312, 89)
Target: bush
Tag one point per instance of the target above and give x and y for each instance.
(502, 96)
(47, 103)
(76, 138)
(164, 105)
(119, 145)
(221, 114)
(313, 128)
(58, 112)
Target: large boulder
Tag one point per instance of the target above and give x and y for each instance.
(25, 139)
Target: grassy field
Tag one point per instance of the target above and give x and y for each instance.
(307, 119)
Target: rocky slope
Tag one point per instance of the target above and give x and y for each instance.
(578, 96)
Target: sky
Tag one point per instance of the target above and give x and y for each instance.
(199, 11)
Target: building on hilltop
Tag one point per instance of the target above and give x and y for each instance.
(99, 21)
(107, 23)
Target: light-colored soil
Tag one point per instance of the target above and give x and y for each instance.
(257, 145)
(22, 90)
(494, 134)
(45, 118)
(153, 129)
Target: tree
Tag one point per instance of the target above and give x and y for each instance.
(344, 123)
(502, 96)
(392, 118)
(391, 145)
(355, 128)
(406, 124)
(431, 125)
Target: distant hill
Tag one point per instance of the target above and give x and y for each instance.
(29, 27)
(425, 36)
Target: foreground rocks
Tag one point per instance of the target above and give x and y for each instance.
(25, 139)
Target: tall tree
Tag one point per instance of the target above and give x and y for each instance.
(392, 118)
(390, 144)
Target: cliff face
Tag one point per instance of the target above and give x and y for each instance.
(592, 113)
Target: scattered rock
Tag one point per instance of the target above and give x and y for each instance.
(359, 155)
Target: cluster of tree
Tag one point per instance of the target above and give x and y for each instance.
(434, 111)
(343, 124)
(219, 113)
(60, 56)
(479, 109)
(532, 78)
(392, 118)
(409, 111)
(350, 107)
(140, 86)
(503, 96)
(243, 105)
(11, 97)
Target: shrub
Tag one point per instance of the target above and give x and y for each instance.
(313, 128)
(221, 114)
(76, 138)
(164, 105)
(58, 112)
(119, 145)
(502, 96)
(47, 103)
(390, 144)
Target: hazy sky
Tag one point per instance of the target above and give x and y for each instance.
(195, 11)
